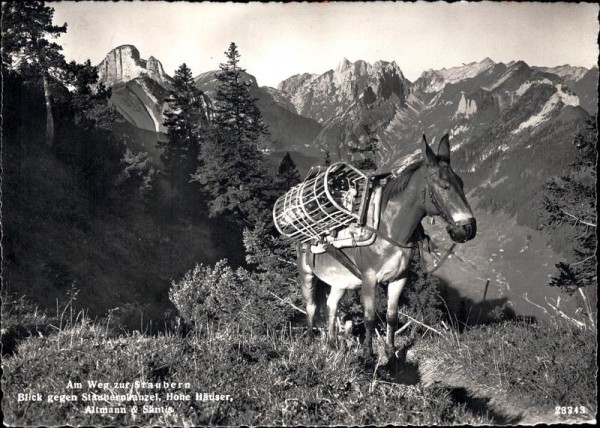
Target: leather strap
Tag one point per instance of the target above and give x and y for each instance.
(341, 257)
(387, 238)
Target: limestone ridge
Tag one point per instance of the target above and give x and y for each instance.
(435, 80)
(569, 73)
(324, 96)
(123, 64)
(139, 87)
(156, 71)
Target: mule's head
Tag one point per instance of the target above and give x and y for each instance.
(444, 195)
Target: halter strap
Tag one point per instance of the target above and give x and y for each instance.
(387, 238)
(428, 191)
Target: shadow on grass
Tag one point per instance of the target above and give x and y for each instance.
(400, 371)
(467, 312)
(480, 406)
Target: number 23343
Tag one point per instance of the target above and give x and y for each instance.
(570, 410)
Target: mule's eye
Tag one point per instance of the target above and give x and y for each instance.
(444, 185)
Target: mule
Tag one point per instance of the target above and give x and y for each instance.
(429, 187)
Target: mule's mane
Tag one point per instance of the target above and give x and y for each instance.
(397, 185)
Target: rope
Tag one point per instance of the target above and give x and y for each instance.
(440, 262)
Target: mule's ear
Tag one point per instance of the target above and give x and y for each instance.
(443, 151)
(428, 155)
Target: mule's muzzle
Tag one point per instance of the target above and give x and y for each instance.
(463, 231)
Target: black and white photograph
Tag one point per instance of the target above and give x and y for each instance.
(299, 214)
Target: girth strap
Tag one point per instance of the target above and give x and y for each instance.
(341, 257)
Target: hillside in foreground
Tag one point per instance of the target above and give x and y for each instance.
(509, 372)
(59, 233)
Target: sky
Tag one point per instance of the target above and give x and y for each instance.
(278, 40)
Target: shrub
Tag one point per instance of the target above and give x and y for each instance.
(223, 295)
(20, 319)
(421, 296)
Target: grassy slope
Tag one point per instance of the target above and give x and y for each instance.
(517, 373)
(521, 369)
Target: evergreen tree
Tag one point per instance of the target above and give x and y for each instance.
(185, 120)
(287, 174)
(136, 182)
(571, 199)
(369, 150)
(233, 168)
(89, 99)
(26, 48)
(236, 112)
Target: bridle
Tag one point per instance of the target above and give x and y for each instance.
(429, 192)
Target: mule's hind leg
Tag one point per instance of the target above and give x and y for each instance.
(368, 295)
(308, 292)
(394, 292)
(333, 300)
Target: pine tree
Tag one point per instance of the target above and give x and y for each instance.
(185, 120)
(571, 199)
(233, 168)
(26, 48)
(369, 150)
(89, 99)
(236, 112)
(287, 174)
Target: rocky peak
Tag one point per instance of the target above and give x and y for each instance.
(123, 64)
(291, 84)
(487, 62)
(515, 75)
(569, 73)
(389, 66)
(208, 83)
(329, 94)
(343, 66)
(436, 80)
(156, 71)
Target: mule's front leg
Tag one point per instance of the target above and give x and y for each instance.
(394, 292)
(308, 282)
(368, 294)
(333, 300)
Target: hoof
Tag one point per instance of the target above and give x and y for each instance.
(332, 344)
(368, 362)
(390, 352)
(309, 337)
(348, 327)
(368, 357)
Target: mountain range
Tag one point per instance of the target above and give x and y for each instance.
(509, 123)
